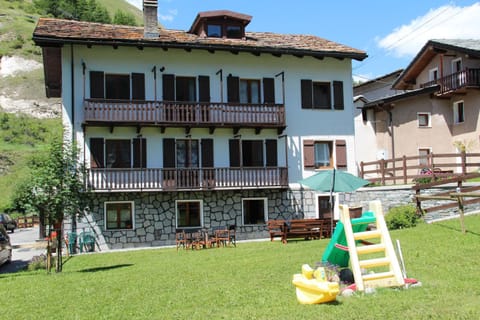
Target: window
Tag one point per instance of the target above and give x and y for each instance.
(318, 95)
(319, 154)
(423, 154)
(324, 210)
(254, 211)
(117, 86)
(251, 153)
(118, 153)
(185, 89)
(249, 91)
(433, 74)
(458, 112)
(456, 65)
(214, 30)
(119, 215)
(423, 119)
(234, 32)
(189, 214)
(187, 154)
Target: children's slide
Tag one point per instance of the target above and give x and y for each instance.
(337, 250)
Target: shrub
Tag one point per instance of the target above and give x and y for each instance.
(401, 217)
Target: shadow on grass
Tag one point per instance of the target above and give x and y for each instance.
(107, 268)
(455, 228)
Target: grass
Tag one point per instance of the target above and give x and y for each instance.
(252, 281)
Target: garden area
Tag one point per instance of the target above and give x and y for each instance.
(250, 281)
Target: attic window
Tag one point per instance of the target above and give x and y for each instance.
(224, 30)
(214, 30)
(234, 32)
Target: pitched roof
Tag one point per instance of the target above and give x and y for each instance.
(401, 96)
(470, 47)
(55, 32)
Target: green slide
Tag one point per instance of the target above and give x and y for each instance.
(338, 256)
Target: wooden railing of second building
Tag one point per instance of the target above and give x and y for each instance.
(457, 80)
(408, 169)
(163, 179)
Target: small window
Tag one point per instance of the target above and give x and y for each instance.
(458, 113)
(433, 74)
(423, 119)
(254, 211)
(249, 91)
(119, 215)
(214, 31)
(117, 86)
(324, 210)
(321, 95)
(189, 214)
(234, 32)
(424, 159)
(323, 154)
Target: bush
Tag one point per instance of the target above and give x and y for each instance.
(401, 217)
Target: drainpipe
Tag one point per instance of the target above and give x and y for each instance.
(72, 75)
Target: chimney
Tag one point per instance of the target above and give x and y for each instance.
(150, 20)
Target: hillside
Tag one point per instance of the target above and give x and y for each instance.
(27, 118)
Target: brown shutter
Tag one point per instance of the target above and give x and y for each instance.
(271, 148)
(234, 152)
(307, 94)
(169, 153)
(52, 59)
(96, 153)
(341, 153)
(338, 95)
(207, 153)
(138, 86)
(97, 85)
(203, 88)
(168, 87)
(268, 90)
(233, 87)
(308, 154)
(139, 153)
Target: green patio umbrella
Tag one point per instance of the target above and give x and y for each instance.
(333, 181)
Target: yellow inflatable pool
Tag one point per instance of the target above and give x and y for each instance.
(311, 290)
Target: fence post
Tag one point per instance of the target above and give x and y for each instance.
(361, 169)
(382, 171)
(464, 162)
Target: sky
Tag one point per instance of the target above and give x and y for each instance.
(390, 32)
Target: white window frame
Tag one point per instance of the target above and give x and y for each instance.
(456, 117)
(429, 119)
(265, 210)
(201, 212)
(132, 203)
(431, 74)
(420, 160)
(454, 63)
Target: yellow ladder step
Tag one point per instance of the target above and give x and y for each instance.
(378, 262)
(365, 235)
(371, 248)
(376, 276)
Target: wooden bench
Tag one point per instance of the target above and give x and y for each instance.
(275, 228)
(305, 228)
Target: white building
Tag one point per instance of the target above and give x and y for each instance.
(199, 128)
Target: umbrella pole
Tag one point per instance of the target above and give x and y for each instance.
(332, 187)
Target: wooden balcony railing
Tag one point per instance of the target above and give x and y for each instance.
(457, 80)
(152, 179)
(187, 114)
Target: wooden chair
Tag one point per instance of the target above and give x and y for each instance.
(232, 234)
(180, 238)
(221, 235)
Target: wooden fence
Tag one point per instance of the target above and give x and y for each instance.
(410, 169)
(27, 222)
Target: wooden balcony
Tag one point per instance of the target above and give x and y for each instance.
(152, 179)
(180, 114)
(456, 82)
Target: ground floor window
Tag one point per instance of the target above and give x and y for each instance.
(324, 211)
(254, 211)
(189, 214)
(119, 215)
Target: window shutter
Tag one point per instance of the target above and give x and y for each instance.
(234, 152)
(308, 154)
(138, 86)
(168, 87)
(271, 148)
(97, 85)
(207, 153)
(139, 153)
(268, 90)
(169, 153)
(341, 153)
(338, 95)
(204, 88)
(96, 153)
(233, 85)
(307, 94)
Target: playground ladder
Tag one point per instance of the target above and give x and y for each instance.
(383, 250)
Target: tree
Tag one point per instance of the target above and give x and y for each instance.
(56, 190)
(124, 18)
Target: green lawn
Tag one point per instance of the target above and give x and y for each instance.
(252, 281)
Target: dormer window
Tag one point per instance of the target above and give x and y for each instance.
(220, 24)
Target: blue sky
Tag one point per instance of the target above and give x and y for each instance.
(390, 32)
